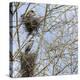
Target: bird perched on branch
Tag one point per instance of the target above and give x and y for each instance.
(28, 47)
(31, 21)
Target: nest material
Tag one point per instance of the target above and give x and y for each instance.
(31, 23)
(28, 64)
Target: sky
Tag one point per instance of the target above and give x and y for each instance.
(49, 37)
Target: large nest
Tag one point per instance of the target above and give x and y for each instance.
(28, 64)
(31, 22)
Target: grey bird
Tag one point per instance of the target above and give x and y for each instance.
(31, 21)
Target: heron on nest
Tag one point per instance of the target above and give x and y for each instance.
(31, 21)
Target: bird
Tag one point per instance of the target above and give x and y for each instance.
(31, 21)
(28, 48)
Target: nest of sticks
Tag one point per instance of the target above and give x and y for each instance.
(28, 64)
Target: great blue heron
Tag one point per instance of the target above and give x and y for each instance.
(31, 21)
(29, 46)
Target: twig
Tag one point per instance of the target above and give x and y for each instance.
(62, 69)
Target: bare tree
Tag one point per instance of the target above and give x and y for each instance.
(52, 49)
